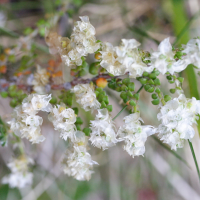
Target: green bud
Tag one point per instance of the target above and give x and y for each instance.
(109, 107)
(131, 86)
(84, 64)
(181, 79)
(172, 81)
(103, 93)
(112, 85)
(169, 77)
(12, 94)
(68, 101)
(143, 81)
(150, 90)
(124, 88)
(61, 96)
(157, 81)
(12, 88)
(105, 99)
(125, 100)
(178, 88)
(79, 120)
(75, 110)
(78, 127)
(100, 97)
(136, 96)
(94, 68)
(123, 95)
(130, 94)
(103, 104)
(4, 94)
(172, 91)
(82, 72)
(150, 82)
(146, 87)
(53, 100)
(132, 103)
(145, 74)
(155, 101)
(167, 98)
(156, 72)
(154, 96)
(118, 89)
(157, 90)
(87, 131)
(99, 89)
(96, 92)
(126, 81)
(152, 75)
(13, 103)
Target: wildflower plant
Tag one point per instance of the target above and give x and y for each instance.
(116, 68)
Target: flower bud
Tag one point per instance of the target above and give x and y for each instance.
(157, 81)
(97, 56)
(152, 75)
(172, 90)
(79, 120)
(143, 81)
(123, 95)
(4, 94)
(131, 86)
(132, 103)
(145, 74)
(155, 101)
(94, 68)
(181, 79)
(157, 90)
(75, 110)
(101, 82)
(136, 96)
(150, 90)
(146, 87)
(154, 96)
(87, 131)
(109, 107)
(167, 98)
(53, 100)
(126, 81)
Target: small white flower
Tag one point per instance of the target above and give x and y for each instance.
(134, 134)
(103, 130)
(86, 97)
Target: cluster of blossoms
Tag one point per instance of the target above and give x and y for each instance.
(177, 117)
(134, 134)
(81, 43)
(26, 123)
(20, 176)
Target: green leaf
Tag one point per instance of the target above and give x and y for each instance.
(8, 33)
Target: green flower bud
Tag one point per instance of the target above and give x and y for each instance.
(100, 97)
(157, 81)
(94, 68)
(103, 92)
(146, 87)
(157, 90)
(132, 103)
(126, 81)
(169, 77)
(105, 99)
(150, 90)
(124, 88)
(130, 94)
(155, 101)
(109, 107)
(82, 72)
(143, 81)
(131, 86)
(154, 96)
(172, 81)
(53, 100)
(152, 75)
(75, 110)
(79, 120)
(150, 82)
(145, 74)
(13, 103)
(99, 89)
(136, 96)
(84, 64)
(112, 85)
(96, 92)
(123, 95)
(103, 104)
(4, 94)
(156, 72)
(125, 100)
(181, 79)
(172, 91)
(167, 98)
(78, 127)
(12, 94)
(118, 89)
(87, 131)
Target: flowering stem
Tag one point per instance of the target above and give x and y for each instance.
(194, 157)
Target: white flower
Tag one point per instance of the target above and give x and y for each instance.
(192, 49)
(78, 162)
(163, 60)
(19, 177)
(86, 97)
(63, 120)
(134, 134)
(177, 117)
(103, 130)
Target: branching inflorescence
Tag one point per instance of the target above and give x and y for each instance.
(115, 67)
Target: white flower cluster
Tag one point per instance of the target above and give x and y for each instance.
(163, 60)
(20, 176)
(63, 120)
(103, 130)
(41, 78)
(86, 97)
(78, 162)
(177, 117)
(81, 43)
(134, 134)
(124, 58)
(26, 123)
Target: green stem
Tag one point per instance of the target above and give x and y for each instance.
(194, 157)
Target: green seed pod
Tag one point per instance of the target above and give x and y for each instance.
(4, 94)
(78, 127)
(146, 87)
(150, 82)
(143, 81)
(79, 120)
(145, 74)
(94, 68)
(132, 103)
(129, 93)
(157, 90)
(126, 81)
(13, 103)
(53, 100)
(152, 75)
(157, 81)
(87, 131)
(123, 95)
(150, 90)
(155, 101)
(109, 107)
(154, 96)
(75, 110)
(167, 98)
(124, 88)
(131, 86)
(103, 104)
(136, 96)
(181, 79)
(172, 90)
